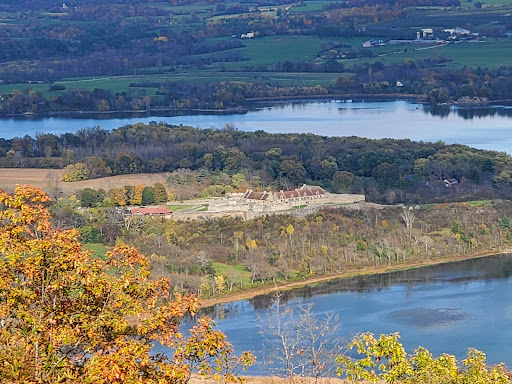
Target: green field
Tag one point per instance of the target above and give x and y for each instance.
(98, 250)
(236, 270)
(270, 50)
(121, 83)
(493, 53)
(310, 6)
(178, 207)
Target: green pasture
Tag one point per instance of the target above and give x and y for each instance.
(185, 9)
(121, 83)
(178, 207)
(310, 6)
(492, 53)
(270, 50)
(226, 270)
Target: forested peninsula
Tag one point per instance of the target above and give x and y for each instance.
(386, 170)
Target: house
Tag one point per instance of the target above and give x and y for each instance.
(305, 192)
(458, 31)
(150, 211)
(248, 35)
(427, 33)
(449, 182)
(373, 43)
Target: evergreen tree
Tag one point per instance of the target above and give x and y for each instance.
(148, 196)
(160, 193)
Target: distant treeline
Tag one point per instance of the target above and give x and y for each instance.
(392, 3)
(121, 38)
(409, 77)
(385, 170)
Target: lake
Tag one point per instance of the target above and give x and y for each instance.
(480, 127)
(445, 308)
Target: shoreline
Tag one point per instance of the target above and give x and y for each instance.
(252, 106)
(165, 112)
(286, 286)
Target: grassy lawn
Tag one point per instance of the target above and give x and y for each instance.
(98, 250)
(226, 269)
(177, 207)
(270, 50)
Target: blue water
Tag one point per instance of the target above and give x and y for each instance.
(485, 128)
(446, 308)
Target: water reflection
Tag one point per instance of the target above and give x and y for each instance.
(482, 269)
(467, 113)
(445, 308)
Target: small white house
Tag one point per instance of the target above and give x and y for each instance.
(426, 33)
(248, 35)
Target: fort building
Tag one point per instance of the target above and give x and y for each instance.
(267, 202)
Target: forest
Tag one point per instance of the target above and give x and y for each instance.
(164, 46)
(386, 170)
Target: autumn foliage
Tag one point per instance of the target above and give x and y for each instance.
(67, 318)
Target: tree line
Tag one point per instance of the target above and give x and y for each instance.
(415, 78)
(386, 170)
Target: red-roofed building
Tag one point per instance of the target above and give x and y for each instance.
(305, 192)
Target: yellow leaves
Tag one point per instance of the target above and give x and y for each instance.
(420, 368)
(56, 298)
(251, 244)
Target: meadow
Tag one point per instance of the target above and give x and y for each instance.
(43, 178)
(274, 47)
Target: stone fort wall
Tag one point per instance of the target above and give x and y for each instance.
(236, 202)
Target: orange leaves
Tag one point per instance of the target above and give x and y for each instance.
(67, 318)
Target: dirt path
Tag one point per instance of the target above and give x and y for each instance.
(350, 273)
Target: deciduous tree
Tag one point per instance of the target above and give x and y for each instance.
(384, 360)
(66, 318)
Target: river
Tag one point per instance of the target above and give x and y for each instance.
(445, 308)
(480, 127)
